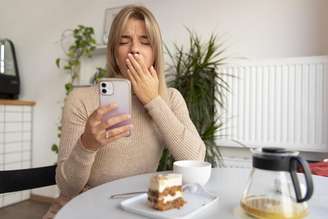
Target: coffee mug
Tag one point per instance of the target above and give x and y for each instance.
(193, 171)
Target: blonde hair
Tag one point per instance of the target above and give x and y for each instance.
(153, 33)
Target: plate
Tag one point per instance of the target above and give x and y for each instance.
(195, 202)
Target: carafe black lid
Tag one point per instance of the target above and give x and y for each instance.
(274, 150)
(273, 158)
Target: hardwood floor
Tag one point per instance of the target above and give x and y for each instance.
(28, 209)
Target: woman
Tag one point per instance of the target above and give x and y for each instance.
(88, 154)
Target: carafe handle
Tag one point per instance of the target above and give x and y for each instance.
(308, 178)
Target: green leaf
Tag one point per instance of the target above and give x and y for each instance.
(55, 148)
(100, 73)
(58, 62)
(68, 88)
(166, 161)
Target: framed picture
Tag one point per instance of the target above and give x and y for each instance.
(110, 13)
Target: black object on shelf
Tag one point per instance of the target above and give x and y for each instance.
(9, 74)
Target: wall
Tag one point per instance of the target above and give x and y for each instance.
(254, 28)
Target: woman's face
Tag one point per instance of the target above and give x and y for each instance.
(133, 40)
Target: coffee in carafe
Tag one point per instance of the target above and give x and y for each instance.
(270, 208)
(273, 190)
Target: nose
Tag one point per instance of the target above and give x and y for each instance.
(135, 49)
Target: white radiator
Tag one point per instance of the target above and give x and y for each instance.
(281, 102)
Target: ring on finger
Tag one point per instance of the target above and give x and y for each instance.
(107, 134)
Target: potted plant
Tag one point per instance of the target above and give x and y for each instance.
(195, 73)
(83, 45)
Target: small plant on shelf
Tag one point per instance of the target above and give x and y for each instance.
(84, 45)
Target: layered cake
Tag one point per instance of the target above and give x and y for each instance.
(165, 192)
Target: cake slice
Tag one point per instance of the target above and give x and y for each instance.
(165, 192)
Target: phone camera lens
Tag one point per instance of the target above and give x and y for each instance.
(103, 84)
(104, 91)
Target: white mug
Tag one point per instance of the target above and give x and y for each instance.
(193, 171)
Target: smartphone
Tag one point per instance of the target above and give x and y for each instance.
(116, 90)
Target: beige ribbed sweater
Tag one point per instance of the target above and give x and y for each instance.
(156, 125)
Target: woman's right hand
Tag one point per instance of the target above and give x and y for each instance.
(96, 133)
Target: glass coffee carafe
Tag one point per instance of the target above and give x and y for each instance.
(274, 190)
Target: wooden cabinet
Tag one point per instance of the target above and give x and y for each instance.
(16, 126)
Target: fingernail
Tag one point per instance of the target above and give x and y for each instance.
(127, 60)
(129, 54)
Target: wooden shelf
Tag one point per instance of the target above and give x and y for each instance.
(17, 102)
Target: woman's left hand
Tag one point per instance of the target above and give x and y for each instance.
(144, 81)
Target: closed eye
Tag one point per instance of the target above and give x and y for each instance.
(124, 39)
(144, 40)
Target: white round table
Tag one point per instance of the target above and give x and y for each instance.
(229, 183)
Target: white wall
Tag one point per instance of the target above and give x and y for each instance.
(253, 28)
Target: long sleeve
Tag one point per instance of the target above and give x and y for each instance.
(179, 133)
(74, 161)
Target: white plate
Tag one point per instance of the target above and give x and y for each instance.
(196, 202)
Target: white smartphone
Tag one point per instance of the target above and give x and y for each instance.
(116, 90)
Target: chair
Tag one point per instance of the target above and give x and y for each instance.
(18, 180)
